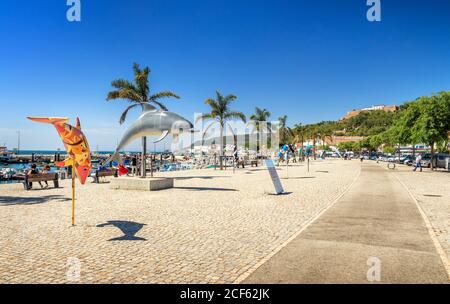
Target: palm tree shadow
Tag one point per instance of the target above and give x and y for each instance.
(129, 229)
(13, 200)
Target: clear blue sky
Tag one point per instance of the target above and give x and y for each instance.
(311, 60)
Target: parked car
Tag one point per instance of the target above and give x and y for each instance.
(426, 158)
(408, 160)
(440, 160)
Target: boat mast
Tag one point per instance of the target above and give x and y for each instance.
(18, 142)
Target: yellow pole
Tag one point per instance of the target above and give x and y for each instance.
(73, 195)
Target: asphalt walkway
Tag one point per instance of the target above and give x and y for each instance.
(374, 233)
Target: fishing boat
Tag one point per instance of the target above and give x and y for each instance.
(7, 173)
(5, 155)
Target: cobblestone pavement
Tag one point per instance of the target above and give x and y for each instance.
(211, 228)
(432, 191)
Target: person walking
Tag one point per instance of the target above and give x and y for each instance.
(133, 165)
(418, 162)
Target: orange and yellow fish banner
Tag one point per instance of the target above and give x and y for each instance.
(77, 148)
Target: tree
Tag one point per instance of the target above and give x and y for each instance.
(346, 146)
(375, 141)
(324, 132)
(138, 94)
(258, 119)
(400, 132)
(312, 132)
(284, 131)
(433, 123)
(221, 113)
(299, 136)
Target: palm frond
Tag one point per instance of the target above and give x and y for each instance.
(125, 94)
(164, 94)
(236, 115)
(211, 102)
(160, 105)
(136, 68)
(204, 116)
(124, 114)
(230, 98)
(123, 84)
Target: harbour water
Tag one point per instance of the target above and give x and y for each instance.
(21, 167)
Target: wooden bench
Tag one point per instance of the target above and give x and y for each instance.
(104, 173)
(254, 163)
(240, 163)
(30, 178)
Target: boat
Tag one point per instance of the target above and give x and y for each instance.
(7, 173)
(5, 155)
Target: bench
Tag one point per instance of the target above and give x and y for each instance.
(254, 163)
(104, 173)
(30, 178)
(240, 163)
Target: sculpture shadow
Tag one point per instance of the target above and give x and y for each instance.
(278, 194)
(205, 189)
(129, 230)
(15, 200)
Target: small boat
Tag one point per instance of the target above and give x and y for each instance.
(7, 173)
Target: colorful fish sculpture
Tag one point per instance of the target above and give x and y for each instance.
(79, 154)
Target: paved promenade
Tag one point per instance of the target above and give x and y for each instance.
(376, 226)
(211, 228)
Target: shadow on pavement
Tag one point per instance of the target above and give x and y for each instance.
(129, 229)
(205, 189)
(14, 200)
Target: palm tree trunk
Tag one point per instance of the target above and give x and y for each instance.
(303, 149)
(221, 146)
(257, 141)
(144, 152)
(314, 144)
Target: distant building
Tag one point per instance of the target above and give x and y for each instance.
(3, 149)
(331, 141)
(354, 113)
(335, 140)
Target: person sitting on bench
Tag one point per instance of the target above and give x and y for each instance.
(101, 168)
(33, 170)
(45, 170)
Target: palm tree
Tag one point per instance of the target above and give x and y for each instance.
(285, 132)
(138, 94)
(311, 132)
(299, 135)
(221, 113)
(260, 115)
(325, 132)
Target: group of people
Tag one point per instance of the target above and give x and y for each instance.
(34, 170)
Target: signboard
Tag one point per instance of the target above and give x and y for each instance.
(274, 176)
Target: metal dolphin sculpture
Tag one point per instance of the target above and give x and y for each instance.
(152, 122)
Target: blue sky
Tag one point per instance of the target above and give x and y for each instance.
(311, 60)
